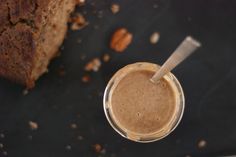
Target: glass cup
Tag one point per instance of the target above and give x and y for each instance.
(144, 138)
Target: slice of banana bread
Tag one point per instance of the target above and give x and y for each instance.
(31, 32)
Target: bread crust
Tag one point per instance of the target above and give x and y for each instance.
(31, 32)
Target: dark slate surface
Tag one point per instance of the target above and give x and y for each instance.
(208, 79)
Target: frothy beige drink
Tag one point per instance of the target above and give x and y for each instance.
(141, 106)
(139, 109)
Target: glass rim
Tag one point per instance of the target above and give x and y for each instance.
(151, 137)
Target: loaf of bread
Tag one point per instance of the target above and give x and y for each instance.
(31, 32)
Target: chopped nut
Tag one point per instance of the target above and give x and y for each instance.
(86, 78)
(187, 156)
(154, 38)
(25, 92)
(121, 39)
(78, 22)
(73, 126)
(106, 57)
(93, 65)
(97, 148)
(1, 145)
(33, 125)
(115, 8)
(202, 144)
(80, 2)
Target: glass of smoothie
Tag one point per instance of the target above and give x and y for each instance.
(139, 109)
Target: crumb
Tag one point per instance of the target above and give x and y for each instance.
(84, 12)
(61, 71)
(97, 148)
(79, 40)
(4, 153)
(30, 137)
(103, 151)
(94, 11)
(93, 3)
(33, 125)
(121, 39)
(155, 6)
(100, 14)
(93, 65)
(113, 155)
(78, 22)
(187, 156)
(68, 147)
(95, 26)
(189, 19)
(80, 2)
(73, 126)
(86, 78)
(202, 144)
(115, 8)
(82, 56)
(1, 145)
(80, 137)
(106, 57)
(154, 38)
(25, 92)
(2, 135)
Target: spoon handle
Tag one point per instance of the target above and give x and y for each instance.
(187, 47)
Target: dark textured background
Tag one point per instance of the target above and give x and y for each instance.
(208, 79)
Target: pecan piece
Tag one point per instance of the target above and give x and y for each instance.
(121, 39)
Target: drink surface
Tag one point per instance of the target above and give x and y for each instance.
(140, 106)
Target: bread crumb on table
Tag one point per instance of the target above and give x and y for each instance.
(2, 135)
(86, 79)
(68, 147)
(73, 126)
(30, 137)
(80, 137)
(115, 8)
(106, 57)
(78, 22)
(202, 144)
(97, 148)
(25, 92)
(155, 6)
(33, 125)
(4, 153)
(93, 65)
(80, 2)
(154, 38)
